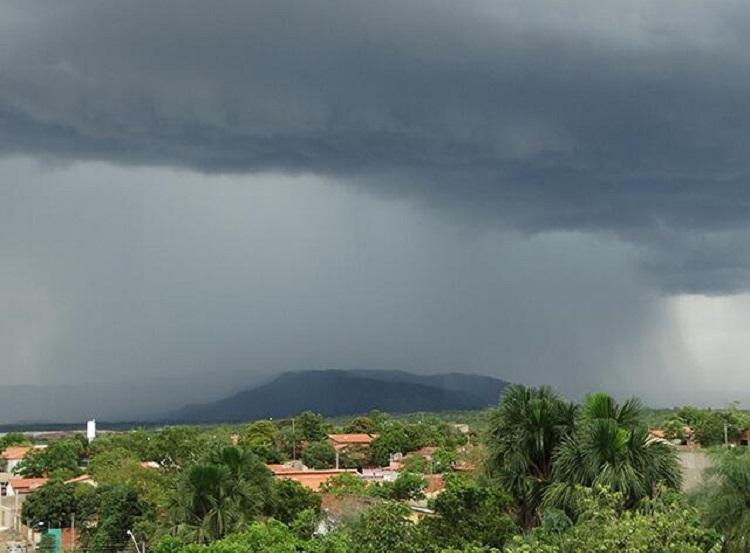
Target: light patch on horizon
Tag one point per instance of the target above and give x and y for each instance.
(715, 333)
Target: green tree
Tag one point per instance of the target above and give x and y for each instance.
(708, 429)
(52, 504)
(393, 439)
(417, 463)
(310, 426)
(13, 438)
(674, 429)
(138, 442)
(118, 510)
(261, 438)
(611, 447)
(176, 446)
(215, 497)
(659, 525)
(725, 498)
(121, 466)
(203, 508)
(355, 456)
(114, 465)
(468, 513)
(319, 455)
(407, 485)
(61, 457)
(345, 484)
(384, 528)
(442, 460)
(525, 430)
(362, 425)
(291, 498)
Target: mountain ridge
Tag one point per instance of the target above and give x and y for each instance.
(338, 392)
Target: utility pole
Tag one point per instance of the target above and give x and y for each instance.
(726, 436)
(294, 442)
(73, 531)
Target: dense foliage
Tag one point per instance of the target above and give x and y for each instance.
(659, 525)
(543, 475)
(610, 447)
(61, 458)
(525, 433)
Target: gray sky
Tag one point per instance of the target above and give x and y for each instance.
(546, 192)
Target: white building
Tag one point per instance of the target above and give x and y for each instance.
(91, 430)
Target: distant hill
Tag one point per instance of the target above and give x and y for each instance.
(334, 393)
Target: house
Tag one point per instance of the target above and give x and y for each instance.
(353, 444)
(24, 486)
(341, 509)
(657, 433)
(378, 475)
(5, 477)
(311, 479)
(461, 428)
(13, 455)
(346, 440)
(396, 460)
(660, 435)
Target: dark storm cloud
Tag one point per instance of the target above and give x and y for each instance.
(629, 117)
(141, 279)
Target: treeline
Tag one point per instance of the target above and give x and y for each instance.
(707, 427)
(550, 476)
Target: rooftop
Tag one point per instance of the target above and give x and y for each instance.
(14, 453)
(27, 484)
(351, 439)
(311, 479)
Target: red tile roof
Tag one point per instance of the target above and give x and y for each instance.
(26, 485)
(312, 479)
(352, 439)
(435, 483)
(277, 468)
(427, 451)
(15, 453)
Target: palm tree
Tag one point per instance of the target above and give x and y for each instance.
(525, 431)
(611, 447)
(214, 497)
(202, 509)
(725, 498)
(250, 481)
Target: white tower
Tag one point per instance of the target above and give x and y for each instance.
(91, 430)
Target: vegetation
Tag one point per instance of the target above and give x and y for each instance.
(319, 455)
(545, 475)
(610, 447)
(61, 458)
(525, 433)
(662, 524)
(725, 498)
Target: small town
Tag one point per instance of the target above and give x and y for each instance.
(463, 481)
(355, 276)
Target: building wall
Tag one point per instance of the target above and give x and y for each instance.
(693, 462)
